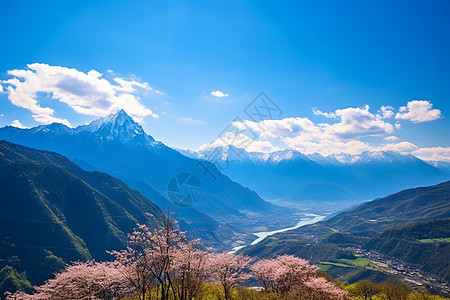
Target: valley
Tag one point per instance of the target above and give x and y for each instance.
(382, 231)
(409, 272)
(401, 235)
(224, 150)
(307, 219)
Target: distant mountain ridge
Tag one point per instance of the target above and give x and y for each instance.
(235, 154)
(293, 176)
(119, 146)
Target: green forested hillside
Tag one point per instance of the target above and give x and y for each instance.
(424, 243)
(53, 212)
(412, 225)
(412, 205)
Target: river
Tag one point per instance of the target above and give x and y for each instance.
(306, 220)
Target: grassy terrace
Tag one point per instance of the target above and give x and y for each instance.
(442, 240)
(347, 263)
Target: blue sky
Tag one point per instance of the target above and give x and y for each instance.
(309, 57)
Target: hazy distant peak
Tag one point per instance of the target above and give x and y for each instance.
(286, 155)
(323, 160)
(383, 156)
(231, 153)
(56, 128)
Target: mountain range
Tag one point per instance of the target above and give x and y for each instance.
(119, 146)
(296, 177)
(74, 193)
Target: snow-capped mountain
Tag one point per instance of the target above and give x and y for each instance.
(120, 127)
(291, 175)
(223, 154)
(441, 165)
(286, 156)
(368, 157)
(117, 145)
(233, 154)
(330, 160)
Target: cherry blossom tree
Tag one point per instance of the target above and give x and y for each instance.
(267, 271)
(228, 270)
(162, 263)
(81, 280)
(283, 273)
(190, 271)
(287, 274)
(134, 264)
(319, 288)
(149, 259)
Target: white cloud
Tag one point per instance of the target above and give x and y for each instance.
(433, 153)
(306, 136)
(241, 141)
(358, 122)
(325, 114)
(418, 111)
(190, 120)
(402, 147)
(386, 112)
(391, 138)
(86, 93)
(16, 123)
(219, 94)
(345, 132)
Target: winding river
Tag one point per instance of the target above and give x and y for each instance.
(306, 220)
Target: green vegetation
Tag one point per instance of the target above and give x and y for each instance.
(212, 291)
(323, 267)
(346, 263)
(412, 226)
(53, 212)
(11, 280)
(334, 230)
(389, 289)
(416, 243)
(334, 264)
(359, 262)
(272, 244)
(393, 289)
(54, 261)
(435, 240)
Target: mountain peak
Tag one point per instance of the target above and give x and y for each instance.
(122, 115)
(118, 126)
(119, 118)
